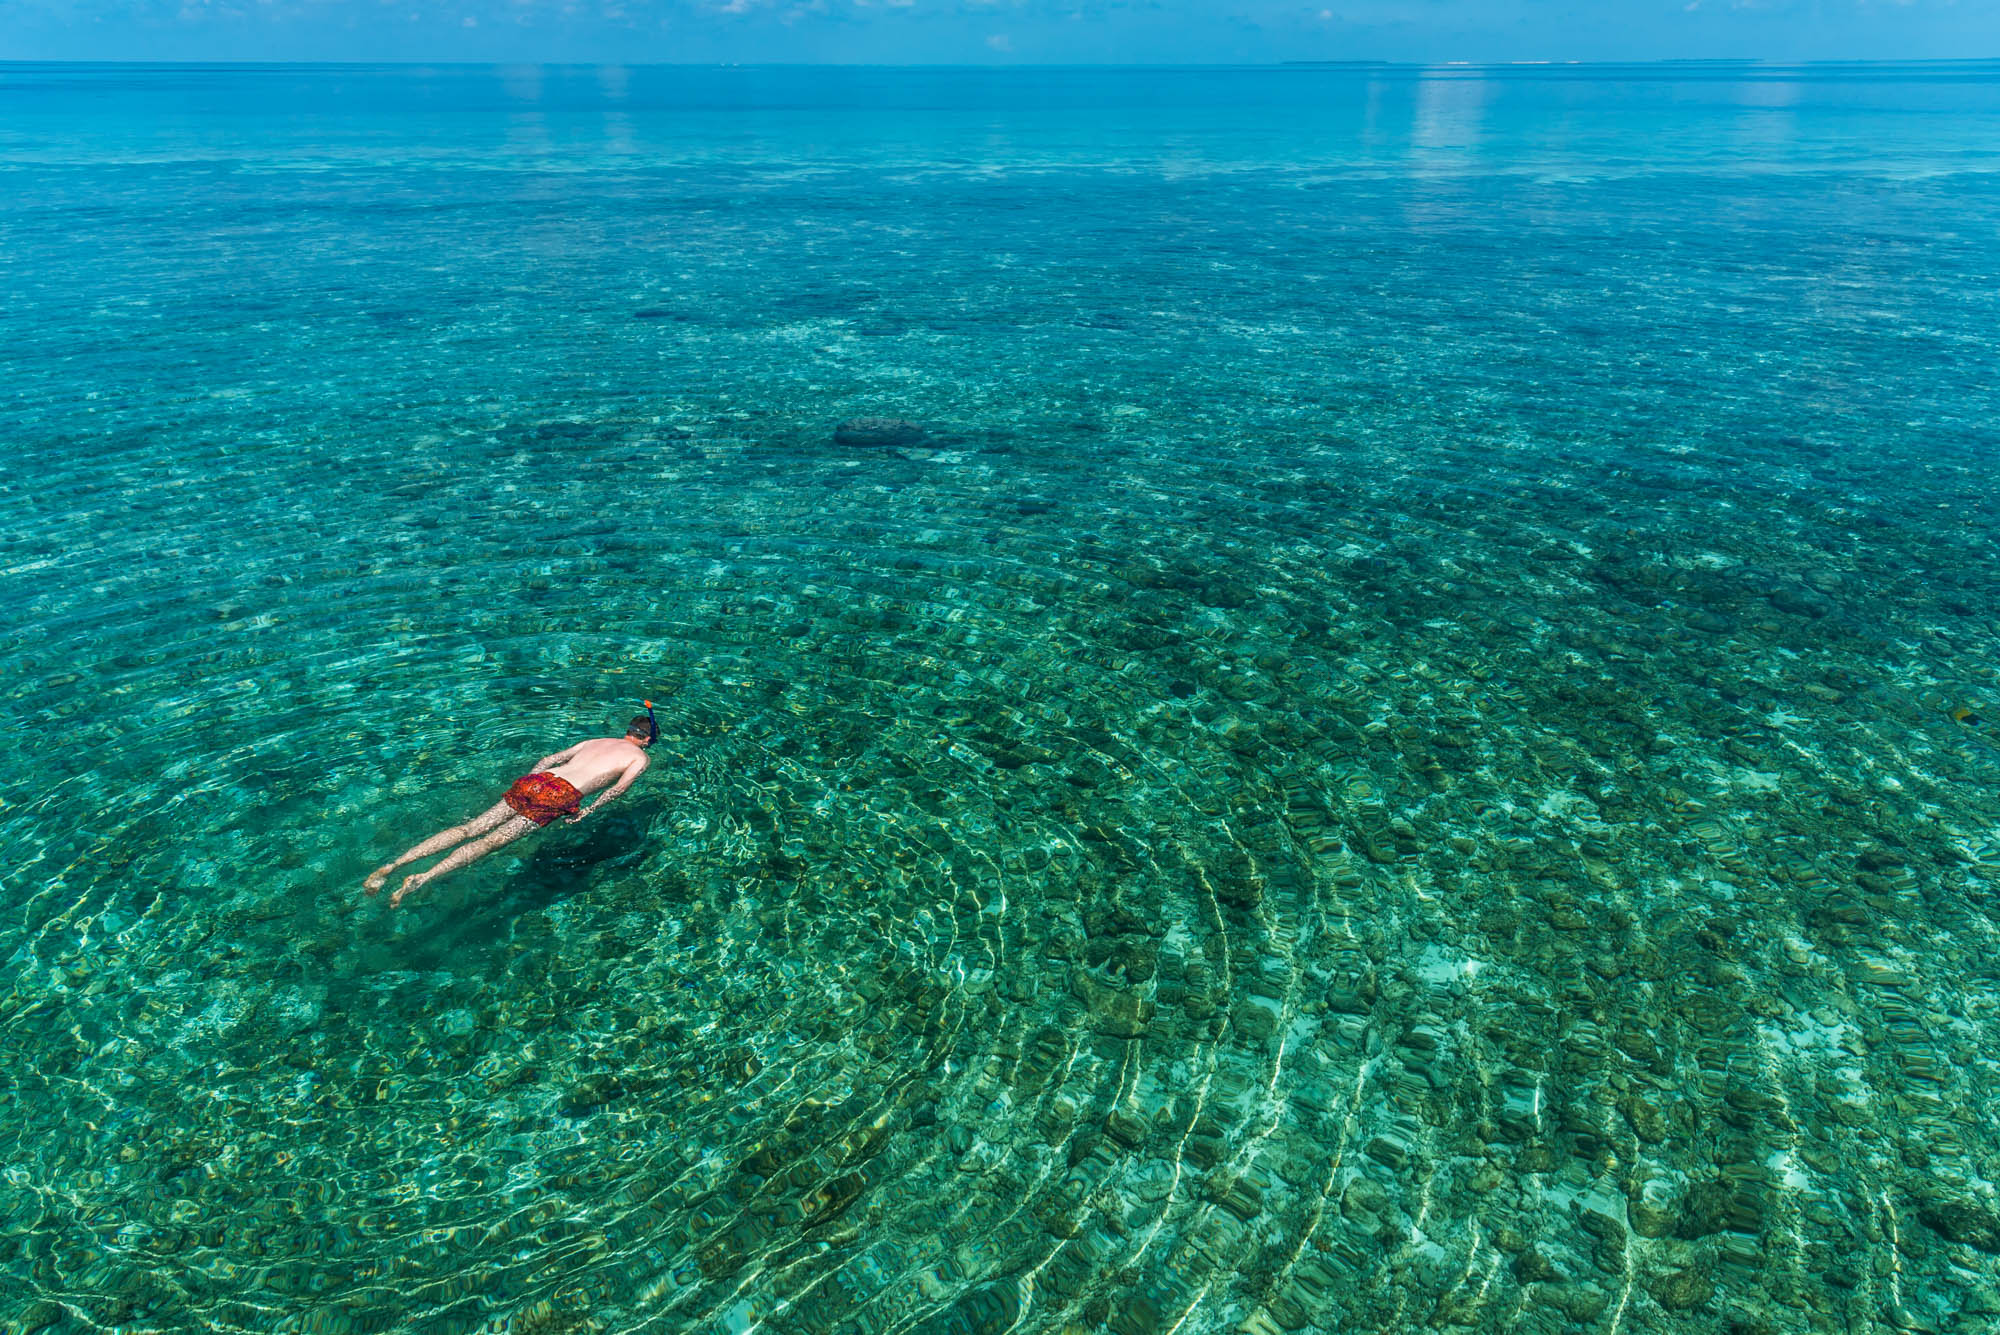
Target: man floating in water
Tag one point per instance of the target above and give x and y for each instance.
(555, 788)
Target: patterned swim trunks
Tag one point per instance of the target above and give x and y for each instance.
(541, 797)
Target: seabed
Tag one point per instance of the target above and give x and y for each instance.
(1415, 786)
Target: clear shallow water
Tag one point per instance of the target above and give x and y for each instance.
(1416, 750)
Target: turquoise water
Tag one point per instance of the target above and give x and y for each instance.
(1416, 746)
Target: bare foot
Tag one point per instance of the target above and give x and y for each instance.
(409, 883)
(377, 879)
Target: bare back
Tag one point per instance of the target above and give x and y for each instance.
(598, 763)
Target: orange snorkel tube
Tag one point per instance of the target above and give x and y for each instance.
(653, 722)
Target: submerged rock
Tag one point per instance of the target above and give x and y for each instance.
(1650, 1211)
(1533, 1266)
(1681, 1290)
(879, 433)
(987, 1310)
(1963, 1222)
(589, 1094)
(1704, 1210)
(830, 1200)
(1116, 1013)
(1582, 1302)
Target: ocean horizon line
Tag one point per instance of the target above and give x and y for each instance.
(1706, 62)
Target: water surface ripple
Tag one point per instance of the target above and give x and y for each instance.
(1415, 749)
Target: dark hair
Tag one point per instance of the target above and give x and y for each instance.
(640, 726)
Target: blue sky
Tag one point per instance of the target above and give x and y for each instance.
(995, 31)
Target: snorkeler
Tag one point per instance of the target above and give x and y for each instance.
(555, 788)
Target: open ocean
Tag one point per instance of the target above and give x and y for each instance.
(1412, 745)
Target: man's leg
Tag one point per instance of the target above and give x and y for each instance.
(440, 841)
(508, 832)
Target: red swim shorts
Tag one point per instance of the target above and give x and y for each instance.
(542, 797)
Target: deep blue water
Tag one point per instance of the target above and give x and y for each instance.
(1413, 744)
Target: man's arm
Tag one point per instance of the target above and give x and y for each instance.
(625, 780)
(557, 758)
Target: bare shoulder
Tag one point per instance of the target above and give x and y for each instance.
(616, 749)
